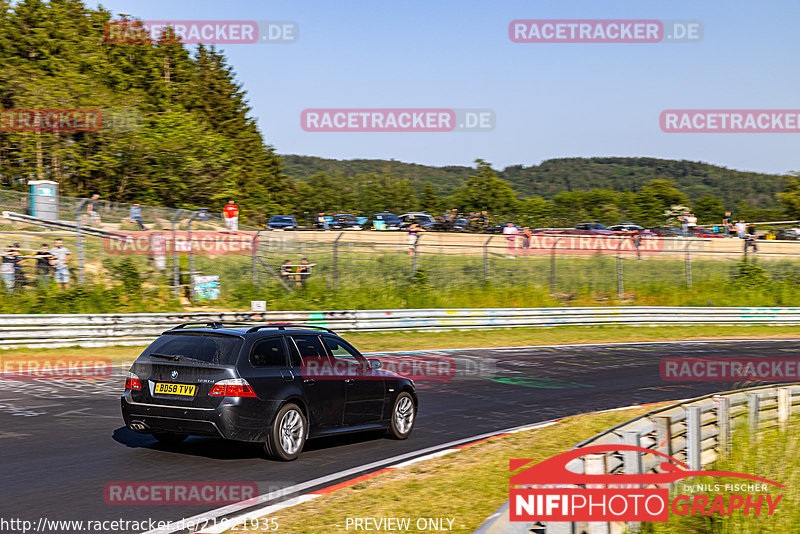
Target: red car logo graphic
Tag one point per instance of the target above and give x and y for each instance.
(554, 470)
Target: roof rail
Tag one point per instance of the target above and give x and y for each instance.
(284, 326)
(211, 324)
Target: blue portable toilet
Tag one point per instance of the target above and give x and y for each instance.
(43, 199)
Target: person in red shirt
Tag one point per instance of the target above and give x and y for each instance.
(231, 213)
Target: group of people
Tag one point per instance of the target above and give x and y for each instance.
(297, 273)
(51, 264)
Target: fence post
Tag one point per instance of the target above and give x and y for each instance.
(176, 271)
(723, 424)
(784, 406)
(486, 259)
(414, 256)
(688, 266)
(620, 281)
(753, 407)
(254, 258)
(693, 438)
(79, 238)
(336, 260)
(553, 266)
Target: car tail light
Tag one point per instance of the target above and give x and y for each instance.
(232, 387)
(132, 382)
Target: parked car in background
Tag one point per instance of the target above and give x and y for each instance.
(282, 222)
(423, 219)
(386, 221)
(667, 231)
(346, 221)
(580, 229)
(626, 228)
(459, 224)
(782, 234)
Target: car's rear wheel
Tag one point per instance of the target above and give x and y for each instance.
(287, 435)
(168, 438)
(404, 414)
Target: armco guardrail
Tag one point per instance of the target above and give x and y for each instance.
(20, 330)
(693, 431)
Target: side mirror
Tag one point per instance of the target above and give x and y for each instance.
(375, 364)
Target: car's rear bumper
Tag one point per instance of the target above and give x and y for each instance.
(236, 420)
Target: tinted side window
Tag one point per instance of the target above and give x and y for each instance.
(309, 347)
(341, 351)
(268, 353)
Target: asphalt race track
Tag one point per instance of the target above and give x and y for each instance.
(62, 441)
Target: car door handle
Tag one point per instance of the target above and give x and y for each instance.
(309, 381)
(350, 381)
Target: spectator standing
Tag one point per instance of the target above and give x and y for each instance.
(8, 266)
(636, 237)
(526, 238)
(691, 223)
(61, 257)
(684, 223)
(92, 209)
(414, 231)
(231, 215)
(750, 242)
(322, 222)
(741, 229)
(303, 272)
(44, 266)
(286, 269)
(726, 224)
(136, 216)
(511, 231)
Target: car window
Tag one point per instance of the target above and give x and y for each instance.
(342, 352)
(268, 353)
(210, 348)
(309, 347)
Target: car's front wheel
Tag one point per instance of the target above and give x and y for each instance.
(287, 435)
(403, 416)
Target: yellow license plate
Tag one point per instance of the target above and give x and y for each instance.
(175, 389)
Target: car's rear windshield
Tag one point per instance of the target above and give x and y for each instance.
(205, 347)
(281, 219)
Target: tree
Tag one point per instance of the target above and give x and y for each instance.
(790, 199)
(485, 191)
(429, 201)
(709, 210)
(655, 198)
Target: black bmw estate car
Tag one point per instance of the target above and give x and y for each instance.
(277, 384)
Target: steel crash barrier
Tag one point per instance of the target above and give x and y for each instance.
(694, 432)
(22, 330)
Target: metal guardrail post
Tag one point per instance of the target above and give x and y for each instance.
(784, 406)
(693, 437)
(79, 238)
(663, 434)
(595, 464)
(753, 406)
(723, 408)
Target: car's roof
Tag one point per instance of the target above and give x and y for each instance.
(241, 330)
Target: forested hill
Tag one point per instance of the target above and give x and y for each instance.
(695, 179)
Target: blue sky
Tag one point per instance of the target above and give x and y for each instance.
(550, 100)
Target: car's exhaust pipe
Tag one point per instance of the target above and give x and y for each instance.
(138, 426)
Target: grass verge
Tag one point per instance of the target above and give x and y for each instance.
(454, 339)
